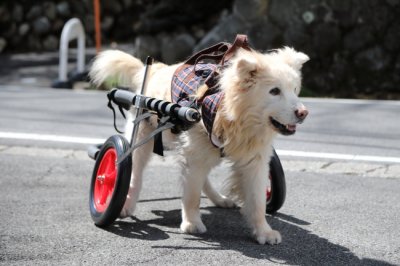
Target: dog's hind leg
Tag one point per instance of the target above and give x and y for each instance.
(218, 199)
(139, 161)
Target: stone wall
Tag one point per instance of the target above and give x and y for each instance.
(354, 45)
(29, 25)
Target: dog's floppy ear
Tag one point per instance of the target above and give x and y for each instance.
(293, 58)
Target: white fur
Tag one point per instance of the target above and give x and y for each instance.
(242, 124)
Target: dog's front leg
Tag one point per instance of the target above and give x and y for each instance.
(194, 176)
(140, 158)
(254, 186)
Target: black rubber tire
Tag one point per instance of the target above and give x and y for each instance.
(278, 185)
(121, 187)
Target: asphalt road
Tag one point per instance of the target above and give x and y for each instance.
(342, 205)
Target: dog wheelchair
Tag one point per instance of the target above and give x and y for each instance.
(113, 159)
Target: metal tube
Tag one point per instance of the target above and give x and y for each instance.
(93, 151)
(149, 62)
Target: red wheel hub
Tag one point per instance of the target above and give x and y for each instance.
(105, 180)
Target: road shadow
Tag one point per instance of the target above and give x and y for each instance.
(137, 229)
(143, 229)
(227, 231)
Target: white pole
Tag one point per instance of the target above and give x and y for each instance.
(73, 29)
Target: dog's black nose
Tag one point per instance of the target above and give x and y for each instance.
(301, 113)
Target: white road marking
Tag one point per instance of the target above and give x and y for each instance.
(288, 153)
(46, 137)
(349, 101)
(339, 156)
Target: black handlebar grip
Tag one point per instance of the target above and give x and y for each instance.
(123, 98)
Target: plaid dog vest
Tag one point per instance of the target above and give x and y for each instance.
(184, 87)
(194, 73)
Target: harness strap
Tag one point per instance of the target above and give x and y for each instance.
(167, 125)
(220, 52)
(240, 42)
(158, 147)
(109, 105)
(219, 47)
(141, 117)
(215, 52)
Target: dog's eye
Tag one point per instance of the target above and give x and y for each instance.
(275, 91)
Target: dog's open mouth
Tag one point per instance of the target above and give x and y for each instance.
(283, 129)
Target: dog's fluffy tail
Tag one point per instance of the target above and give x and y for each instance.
(115, 67)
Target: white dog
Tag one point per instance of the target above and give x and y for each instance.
(261, 100)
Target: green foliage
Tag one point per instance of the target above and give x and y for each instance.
(306, 92)
(110, 82)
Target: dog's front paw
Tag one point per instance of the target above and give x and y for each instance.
(271, 237)
(193, 228)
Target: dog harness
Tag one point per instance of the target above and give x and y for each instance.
(195, 72)
(184, 86)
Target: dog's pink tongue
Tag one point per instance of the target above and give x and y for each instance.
(291, 127)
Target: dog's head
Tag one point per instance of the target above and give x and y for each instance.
(267, 85)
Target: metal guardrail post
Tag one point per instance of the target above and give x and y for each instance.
(72, 30)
